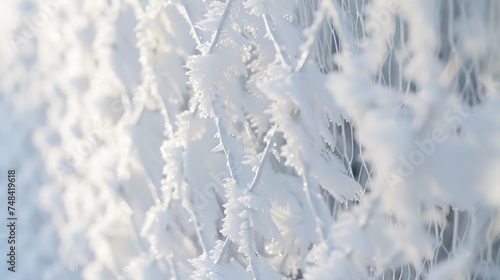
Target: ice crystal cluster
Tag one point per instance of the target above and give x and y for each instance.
(252, 139)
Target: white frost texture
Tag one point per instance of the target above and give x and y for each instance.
(251, 139)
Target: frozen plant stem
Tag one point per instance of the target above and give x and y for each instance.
(276, 44)
(246, 232)
(199, 230)
(225, 142)
(182, 9)
(317, 220)
(215, 39)
(252, 185)
(262, 160)
(214, 42)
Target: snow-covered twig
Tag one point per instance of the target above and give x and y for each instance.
(252, 185)
(216, 36)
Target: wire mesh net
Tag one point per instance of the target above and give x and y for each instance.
(456, 237)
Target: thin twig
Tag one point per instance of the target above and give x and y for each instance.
(215, 39)
(252, 186)
(276, 44)
(182, 9)
(307, 192)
